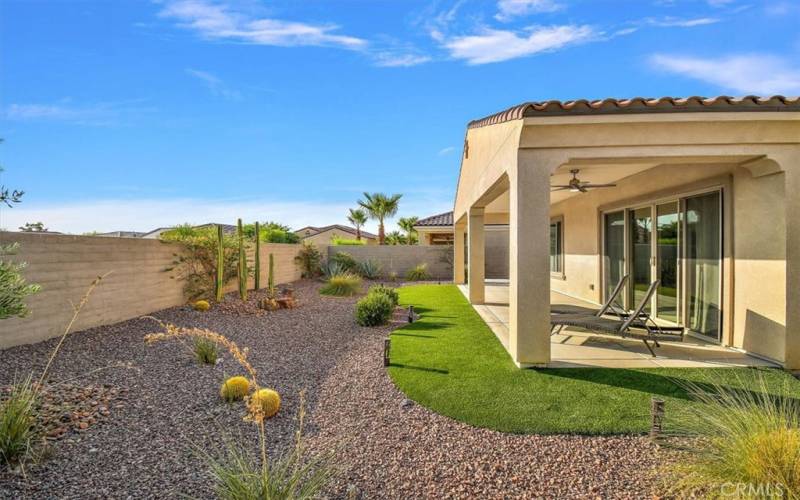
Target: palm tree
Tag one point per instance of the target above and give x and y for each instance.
(358, 218)
(407, 224)
(395, 238)
(379, 206)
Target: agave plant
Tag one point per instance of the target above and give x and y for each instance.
(369, 269)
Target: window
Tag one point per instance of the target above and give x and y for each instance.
(557, 247)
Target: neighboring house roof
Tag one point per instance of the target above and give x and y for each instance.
(121, 234)
(337, 227)
(640, 105)
(445, 219)
(155, 233)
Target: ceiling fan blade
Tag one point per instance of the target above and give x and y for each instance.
(559, 188)
(591, 186)
(582, 188)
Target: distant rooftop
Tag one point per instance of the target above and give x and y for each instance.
(640, 105)
(155, 233)
(444, 219)
(312, 230)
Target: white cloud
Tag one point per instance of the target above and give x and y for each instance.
(492, 45)
(389, 59)
(220, 22)
(676, 22)
(148, 214)
(446, 151)
(762, 74)
(720, 3)
(509, 9)
(215, 85)
(96, 114)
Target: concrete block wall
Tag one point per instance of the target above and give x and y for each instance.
(65, 266)
(401, 258)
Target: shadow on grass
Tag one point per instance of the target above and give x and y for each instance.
(398, 334)
(420, 368)
(656, 384)
(427, 325)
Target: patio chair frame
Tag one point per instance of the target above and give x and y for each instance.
(612, 305)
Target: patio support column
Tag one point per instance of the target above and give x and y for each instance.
(792, 187)
(529, 268)
(458, 254)
(475, 250)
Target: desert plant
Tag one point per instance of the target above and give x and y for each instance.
(392, 276)
(257, 263)
(219, 275)
(271, 232)
(345, 261)
(749, 438)
(197, 266)
(338, 241)
(395, 238)
(205, 351)
(18, 433)
(235, 388)
(13, 287)
(373, 310)
(201, 305)
(380, 206)
(293, 476)
(242, 266)
(388, 291)
(418, 273)
(342, 285)
(271, 277)
(369, 269)
(268, 400)
(357, 217)
(331, 269)
(309, 259)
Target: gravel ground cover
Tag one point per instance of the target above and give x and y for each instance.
(386, 446)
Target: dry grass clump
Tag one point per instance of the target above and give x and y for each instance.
(344, 284)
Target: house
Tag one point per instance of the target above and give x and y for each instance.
(156, 233)
(438, 230)
(324, 235)
(699, 193)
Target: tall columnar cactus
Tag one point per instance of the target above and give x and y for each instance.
(242, 262)
(257, 269)
(219, 282)
(271, 278)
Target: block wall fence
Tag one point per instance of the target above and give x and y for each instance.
(138, 284)
(401, 258)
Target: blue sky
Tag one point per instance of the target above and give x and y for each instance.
(128, 115)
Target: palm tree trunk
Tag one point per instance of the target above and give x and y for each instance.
(381, 234)
(358, 233)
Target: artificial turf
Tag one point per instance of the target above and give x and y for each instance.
(451, 362)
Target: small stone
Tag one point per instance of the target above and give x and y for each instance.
(83, 426)
(406, 403)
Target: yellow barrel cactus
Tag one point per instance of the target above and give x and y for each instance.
(201, 305)
(267, 402)
(235, 388)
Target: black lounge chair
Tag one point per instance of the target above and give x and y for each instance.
(636, 324)
(611, 305)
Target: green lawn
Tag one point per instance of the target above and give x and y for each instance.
(450, 362)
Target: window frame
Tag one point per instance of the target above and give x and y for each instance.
(560, 273)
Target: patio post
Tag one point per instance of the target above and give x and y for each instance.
(529, 268)
(458, 254)
(475, 250)
(792, 200)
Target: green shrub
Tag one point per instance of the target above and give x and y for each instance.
(739, 437)
(18, 431)
(346, 261)
(205, 351)
(309, 259)
(388, 291)
(330, 269)
(345, 242)
(13, 287)
(197, 267)
(342, 285)
(418, 273)
(373, 310)
(369, 269)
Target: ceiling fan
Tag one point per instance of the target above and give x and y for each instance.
(578, 186)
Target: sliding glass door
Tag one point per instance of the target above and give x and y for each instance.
(679, 243)
(703, 253)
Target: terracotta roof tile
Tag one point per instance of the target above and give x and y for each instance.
(640, 105)
(445, 219)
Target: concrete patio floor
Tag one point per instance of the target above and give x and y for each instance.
(577, 348)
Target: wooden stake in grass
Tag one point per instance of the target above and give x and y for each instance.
(656, 417)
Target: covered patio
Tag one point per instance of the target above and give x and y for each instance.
(693, 201)
(574, 348)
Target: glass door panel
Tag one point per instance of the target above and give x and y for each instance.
(703, 234)
(641, 229)
(614, 251)
(667, 234)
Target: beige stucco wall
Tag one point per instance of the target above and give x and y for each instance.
(65, 266)
(325, 237)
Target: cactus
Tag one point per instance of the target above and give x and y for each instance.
(242, 262)
(257, 269)
(201, 305)
(266, 402)
(235, 388)
(219, 282)
(271, 278)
